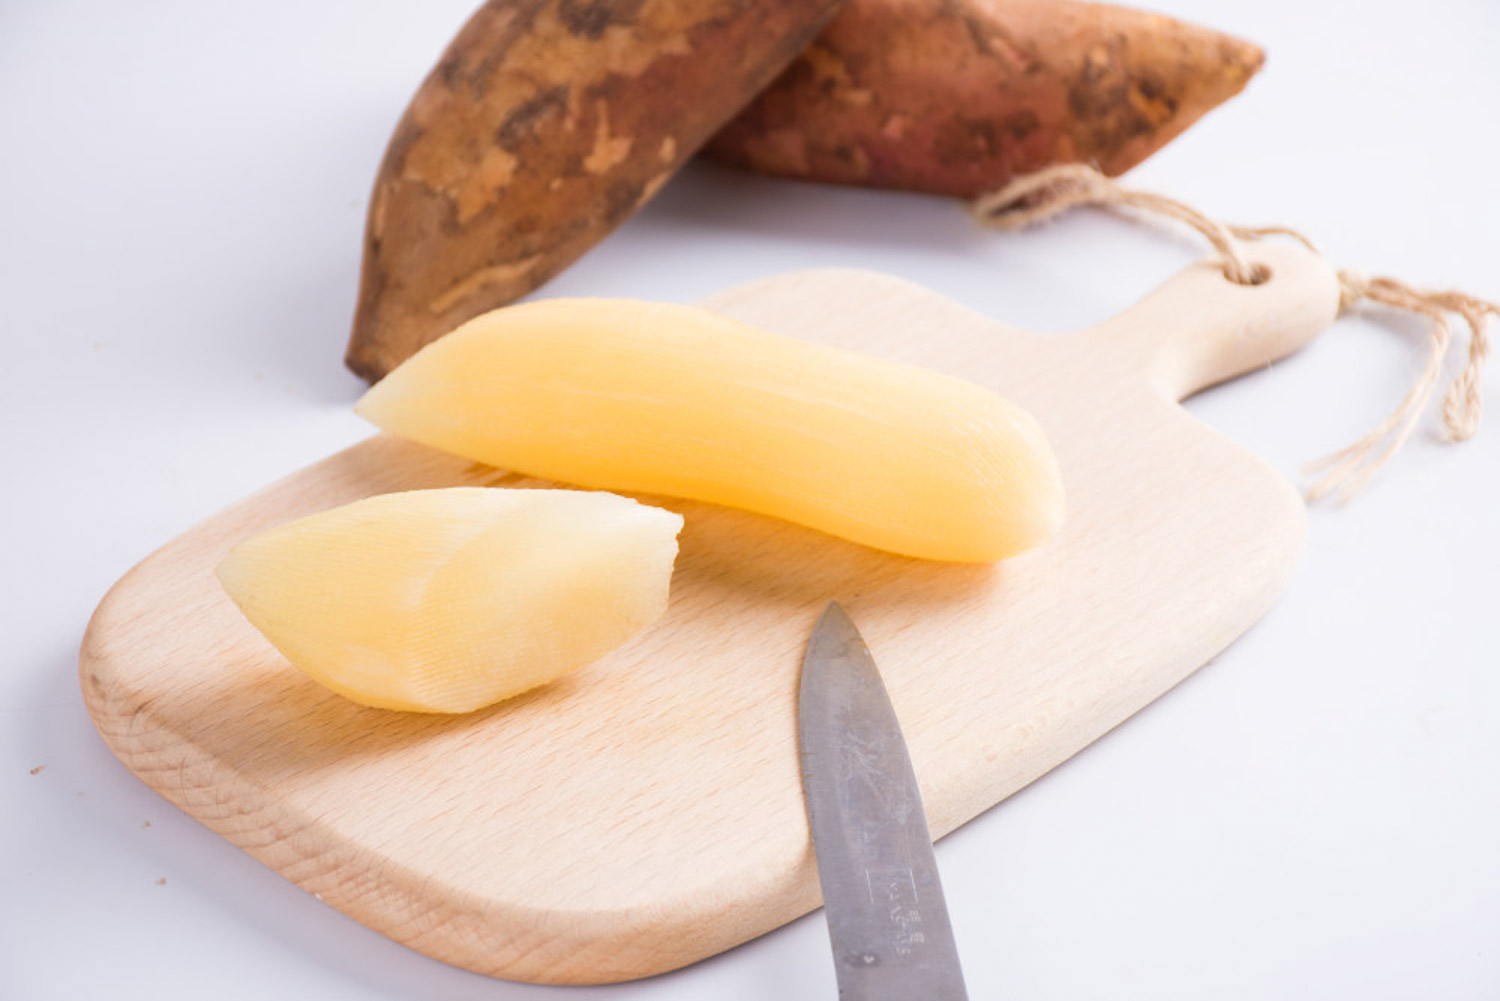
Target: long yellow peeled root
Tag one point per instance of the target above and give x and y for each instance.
(450, 600)
(675, 400)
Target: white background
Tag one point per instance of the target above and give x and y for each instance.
(1314, 815)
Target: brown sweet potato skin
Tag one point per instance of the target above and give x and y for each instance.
(545, 125)
(956, 97)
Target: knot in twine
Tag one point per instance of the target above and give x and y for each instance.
(1048, 193)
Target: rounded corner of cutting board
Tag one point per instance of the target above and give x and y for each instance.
(101, 671)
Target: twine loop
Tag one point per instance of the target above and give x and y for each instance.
(1048, 193)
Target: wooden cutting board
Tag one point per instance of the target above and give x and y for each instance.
(646, 812)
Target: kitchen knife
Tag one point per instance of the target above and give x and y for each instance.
(892, 940)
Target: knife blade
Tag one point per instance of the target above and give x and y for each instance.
(892, 939)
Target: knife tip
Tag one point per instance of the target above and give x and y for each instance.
(833, 617)
(835, 629)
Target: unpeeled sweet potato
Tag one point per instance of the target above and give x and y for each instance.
(545, 124)
(956, 97)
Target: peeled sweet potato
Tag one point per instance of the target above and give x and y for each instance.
(956, 97)
(545, 125)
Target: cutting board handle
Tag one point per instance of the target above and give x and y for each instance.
(1199, 328)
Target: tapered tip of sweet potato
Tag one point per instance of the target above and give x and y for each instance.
(1177, 73)
(370, 369)
(362, 356)
(422, 276)
(384, 330)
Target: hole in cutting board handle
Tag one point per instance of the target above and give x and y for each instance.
(1259, 275)
(1205, 325)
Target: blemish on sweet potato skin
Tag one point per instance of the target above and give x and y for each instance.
(956, 97)
(544, 125)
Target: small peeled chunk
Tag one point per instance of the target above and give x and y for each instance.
(450, 600)
(655, 398)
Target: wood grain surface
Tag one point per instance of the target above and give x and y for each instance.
(646, 811)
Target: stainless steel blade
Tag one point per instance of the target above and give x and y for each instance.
(892, 940)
